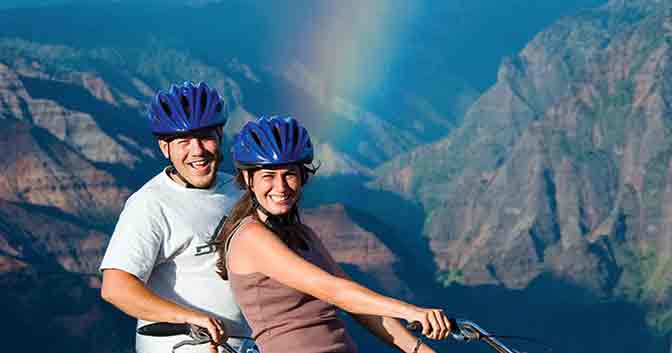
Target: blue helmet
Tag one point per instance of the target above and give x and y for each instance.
(272, 141)
(185, 108)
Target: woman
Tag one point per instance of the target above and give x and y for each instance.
(285, 281)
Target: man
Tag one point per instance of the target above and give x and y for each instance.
(160, 265)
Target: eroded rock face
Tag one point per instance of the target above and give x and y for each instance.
(350, 244)
(39, 169)
(74, 109)
(562, 166)
(45, 239)
(49, 269)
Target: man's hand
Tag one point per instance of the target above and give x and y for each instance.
(128, 293)
(215, 329)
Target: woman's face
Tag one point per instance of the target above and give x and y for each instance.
(277, 189)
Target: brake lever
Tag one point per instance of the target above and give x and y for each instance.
(470, 331)
(479, 334)
(199, 335)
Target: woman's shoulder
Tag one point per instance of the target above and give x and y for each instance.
(247, 247)
(243, 226)
(252, 231)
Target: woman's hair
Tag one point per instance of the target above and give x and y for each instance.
(245, 207)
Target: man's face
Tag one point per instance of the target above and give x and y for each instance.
(195, 156)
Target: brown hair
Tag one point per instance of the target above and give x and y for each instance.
(243, 208)
(292, 235)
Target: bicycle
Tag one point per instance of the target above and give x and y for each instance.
(463, 331)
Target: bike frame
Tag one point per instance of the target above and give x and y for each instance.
(466, 331)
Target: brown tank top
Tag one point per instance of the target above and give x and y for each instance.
(286, 320)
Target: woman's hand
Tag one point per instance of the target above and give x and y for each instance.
(435, 323)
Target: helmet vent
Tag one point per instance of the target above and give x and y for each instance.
(165, 107)
(185, 105)
(295, 131)
(256, 138)
(185, 108)
(276, 134)
(204, 101)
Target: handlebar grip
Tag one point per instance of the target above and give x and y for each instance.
(416, 326)
(163, 329)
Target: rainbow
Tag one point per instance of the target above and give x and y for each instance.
(352, 45)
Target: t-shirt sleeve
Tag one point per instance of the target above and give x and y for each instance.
(137, 240)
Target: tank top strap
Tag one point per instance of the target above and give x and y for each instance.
(243, 222)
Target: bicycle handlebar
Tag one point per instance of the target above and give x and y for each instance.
(162, 329)
(198, 335)
(468, 331)
(461, 331)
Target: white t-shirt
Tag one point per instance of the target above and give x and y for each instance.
(162, 237)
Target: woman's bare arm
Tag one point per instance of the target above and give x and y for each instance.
(257, 249)
(388, 329)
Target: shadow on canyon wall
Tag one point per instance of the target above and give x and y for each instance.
(59, 312)
(381, 212)
(396, 222)
(560, 314)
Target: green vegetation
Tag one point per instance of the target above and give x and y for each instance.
(661, 321)
(449, 277)
(592, 157)
(658, 284)
(653, 42)
(625, 91)
(643, 280)
(654, 185)
(611, 121)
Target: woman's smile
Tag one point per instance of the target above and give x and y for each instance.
(277, 189)
(279, 198)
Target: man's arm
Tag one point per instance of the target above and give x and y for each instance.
(130, 295)
(131, 255)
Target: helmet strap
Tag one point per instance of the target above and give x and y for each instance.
(220, 135)
(173, 171)
(275, 221)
